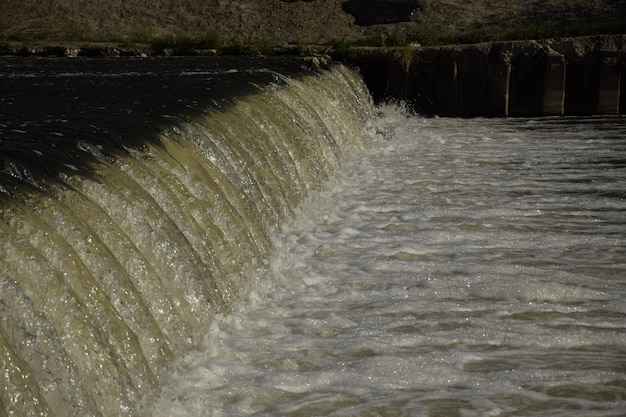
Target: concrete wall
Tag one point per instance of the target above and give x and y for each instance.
(577, 76)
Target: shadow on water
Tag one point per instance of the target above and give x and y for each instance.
(57, 115)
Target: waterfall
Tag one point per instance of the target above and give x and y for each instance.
(115, 253)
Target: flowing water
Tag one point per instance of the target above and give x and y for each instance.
(203, 237)
(137, 197)
(456, 267)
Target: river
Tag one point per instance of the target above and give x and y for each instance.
(208, 237)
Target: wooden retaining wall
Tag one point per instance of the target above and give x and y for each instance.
(576, 76)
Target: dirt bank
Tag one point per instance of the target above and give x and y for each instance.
(298, 21)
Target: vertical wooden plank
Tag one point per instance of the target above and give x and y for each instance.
(554, 86)
(447, 88)
(498, 82)
(526, 86)
(609, 83)
(580, 89)
(472, 85)
(622, 94)
(422, 87)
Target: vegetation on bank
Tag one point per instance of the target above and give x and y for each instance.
(418, 34)
(387, 36)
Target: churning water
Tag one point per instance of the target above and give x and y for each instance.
(453, 268)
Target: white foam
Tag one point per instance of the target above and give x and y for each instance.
(429, 278)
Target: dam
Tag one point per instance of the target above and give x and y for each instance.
(219, 236)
